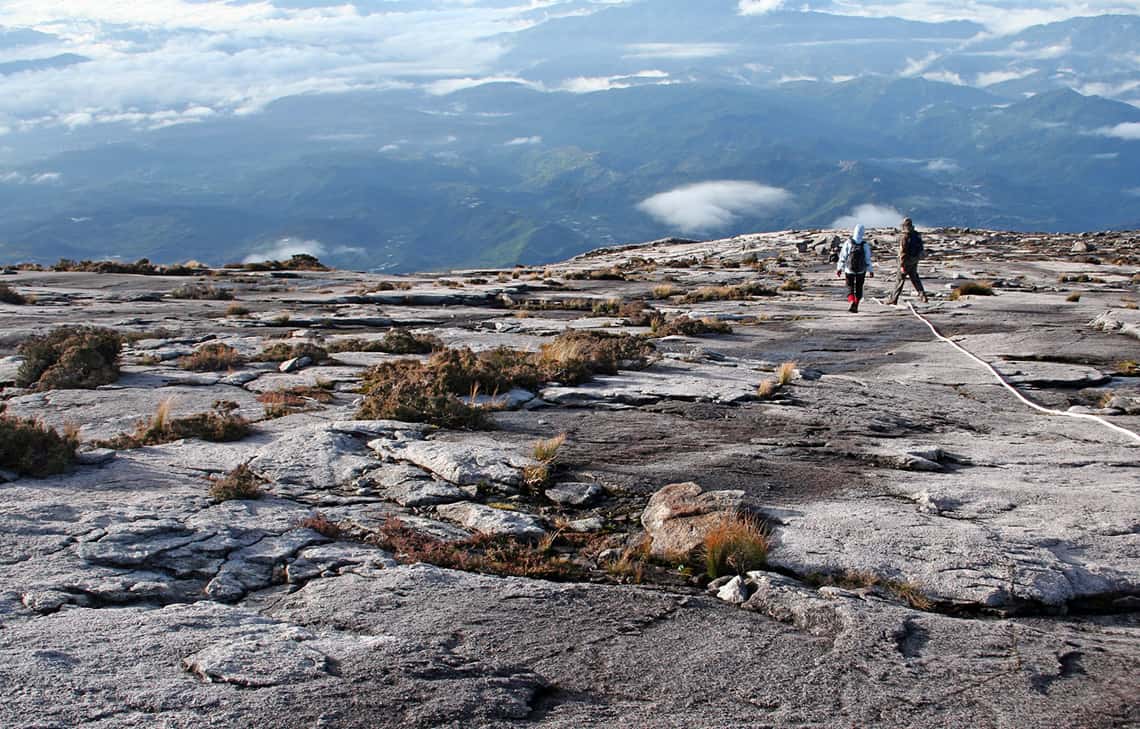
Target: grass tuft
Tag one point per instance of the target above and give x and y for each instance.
(785, 373)
(240, 483)
(735, 544)
(213, 357)
(10, 296)
(220, 425)
(972, 288)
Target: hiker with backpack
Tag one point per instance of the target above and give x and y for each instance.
(910, 252)
(855, 263)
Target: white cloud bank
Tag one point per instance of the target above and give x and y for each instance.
(712, 205)
(871, 216)
(1129, 131)
(759, 7)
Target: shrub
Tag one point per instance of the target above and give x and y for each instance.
(688, 327)
(282, 351)
(396, 341)
(727, 293)
(278, 403)
(220, 424)
(212, 357)
(322, 525)
(480, 553)
(236, 310)
(240, 483)
(664, 291)
(972, 288)
(30, 448)
(1073, 297)
(792, 284)
(201, 291)
(735, 544)
(70, 357)
(8, 296)
(430, 392)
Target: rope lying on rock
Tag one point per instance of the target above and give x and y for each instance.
(1011, 388)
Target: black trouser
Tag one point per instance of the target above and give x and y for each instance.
(908, 269)
(855, 285)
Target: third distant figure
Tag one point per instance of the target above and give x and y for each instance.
(855, 262)
(910, 252)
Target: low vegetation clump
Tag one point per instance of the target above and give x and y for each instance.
(212, 357)
(785, 373)
(322, 525)
(141, 267)
(221, 424)
(396, 341)
(1073, 297)
(664, 291)
(283, 351)
(727, 293)
(202, 291)
(538, 474)
(480, 553)
(10, 296)
(613, 273)
(239, 483)
(279, 403)
(433, 391)
(236, 310)
(30, 448)
(792, 284)
(767, 389)
(298, 262)
(71, 357)
(972, 288)
(1128, 368)
(735, 545)
(689, 327)
(902, 590)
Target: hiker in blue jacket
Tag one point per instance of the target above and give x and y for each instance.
(855, 263)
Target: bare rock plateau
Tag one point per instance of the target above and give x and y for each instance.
(433, 509)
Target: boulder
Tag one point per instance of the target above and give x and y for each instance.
(495, 522)
(678, 516)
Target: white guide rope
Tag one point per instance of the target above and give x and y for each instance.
(1011, 388)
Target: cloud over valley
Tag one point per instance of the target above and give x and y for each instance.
(712, 205)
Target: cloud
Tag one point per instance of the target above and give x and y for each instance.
(758, 7)
(712, 205)
(285, 248)
(992, 78)
(872, 216)
(998, 17)
(946, 77)
(1128, 130)
(35, 178)
(590, 84)
(941, 165)
(680, 51)
(517, 141)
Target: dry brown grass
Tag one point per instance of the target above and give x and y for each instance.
(767, 389)
(279, 403)
(972, 288)
(282, 351)
(480, 553)
(785, 373)
(546, 450)
(322, 525)
(664, 291)
(792, 284)
(236, 310)
(213, 357)
(902, 590)
(1073, 297)
(220, 424)
(240, 483)
(395, 341)
(727, 293)
(688, 327)
(10, 296)
(735, 544)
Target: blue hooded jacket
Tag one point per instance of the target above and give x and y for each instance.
(855, 239)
